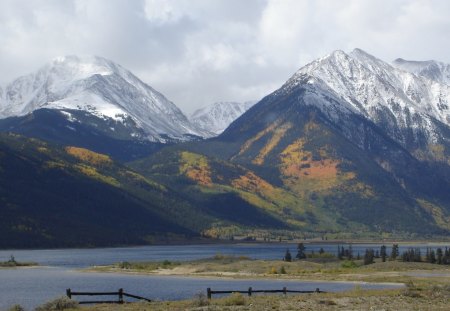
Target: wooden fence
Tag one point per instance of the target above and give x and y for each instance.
(250, 291)
(120, 296)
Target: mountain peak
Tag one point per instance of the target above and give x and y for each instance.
(216, 117)
(83, 66)
(430, 69)
(102, 88)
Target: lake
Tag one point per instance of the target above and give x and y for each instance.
(33, 286)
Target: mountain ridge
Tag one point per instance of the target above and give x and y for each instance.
(215, 118)
(102, 88)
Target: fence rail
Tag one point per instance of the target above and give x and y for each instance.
(120, 296)
(250, 291)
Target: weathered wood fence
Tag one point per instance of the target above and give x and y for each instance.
(120, 296)
(250, 291)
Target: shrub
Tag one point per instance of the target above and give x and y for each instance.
(235, 299)
(58, 304)
(200, 300)
(124, 265)
(349, 264)
(282, 270)
(166, 263)
(16, 308)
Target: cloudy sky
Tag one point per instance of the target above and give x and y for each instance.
(200, 51)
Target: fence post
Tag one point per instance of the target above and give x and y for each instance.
(208, 292)
(249, 291)
(284, 290)
(317, 290)
(120, 295)
(69, 293)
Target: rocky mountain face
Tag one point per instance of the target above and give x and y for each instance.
(349, 147)
(217, 117)
(409, 108)
(102, 89)
(348, 144)
(431, 69)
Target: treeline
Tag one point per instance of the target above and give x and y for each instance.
(439, 256)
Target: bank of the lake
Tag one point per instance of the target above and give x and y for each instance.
(59, 269)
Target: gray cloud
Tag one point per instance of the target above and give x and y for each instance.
(200, 51)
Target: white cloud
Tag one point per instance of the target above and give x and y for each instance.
(199, 51)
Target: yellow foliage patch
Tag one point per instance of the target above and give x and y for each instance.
(278, 133)
(93, 173)
(89, 156)
(298, 168)
(259, 192)
(252, 183)
(441, 218)
(258, 136)
(299, 163)
(196, 167)
(141, 179)
(54, 164)
(42, 150)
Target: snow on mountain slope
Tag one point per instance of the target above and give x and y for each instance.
(403, 104)
(433, 70)
(215, 118)
(101, 87)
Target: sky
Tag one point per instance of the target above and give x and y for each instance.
(197, 52)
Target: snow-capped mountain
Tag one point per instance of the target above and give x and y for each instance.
(104, 89)
(215, 118)
(431, 69)
(405, 105)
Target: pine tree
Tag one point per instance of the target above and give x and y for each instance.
(368, 257)
(383, 253)
(287, 256)
(339, 252)
(439, 255)
(432, 256)
(394, 252)
(417, 255)
(427, 255)
(301, 251)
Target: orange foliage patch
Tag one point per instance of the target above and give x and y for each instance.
(89, 156)
(297, 162)
(196, 168)
(254, 184)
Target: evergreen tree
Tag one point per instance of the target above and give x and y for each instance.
(446, 259)
(439, 255)
(350, 252)
(427, 255)
(339, 252)
(321, 251)
(394, 252)
(383, 253)
(287, 256)
(417, 255)
(301, 251)
(432, 256)
(358, 257)
(368, 257)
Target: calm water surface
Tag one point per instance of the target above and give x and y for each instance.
(33, 286)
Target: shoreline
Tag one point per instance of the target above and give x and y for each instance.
(205, 242)
(246, 277)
